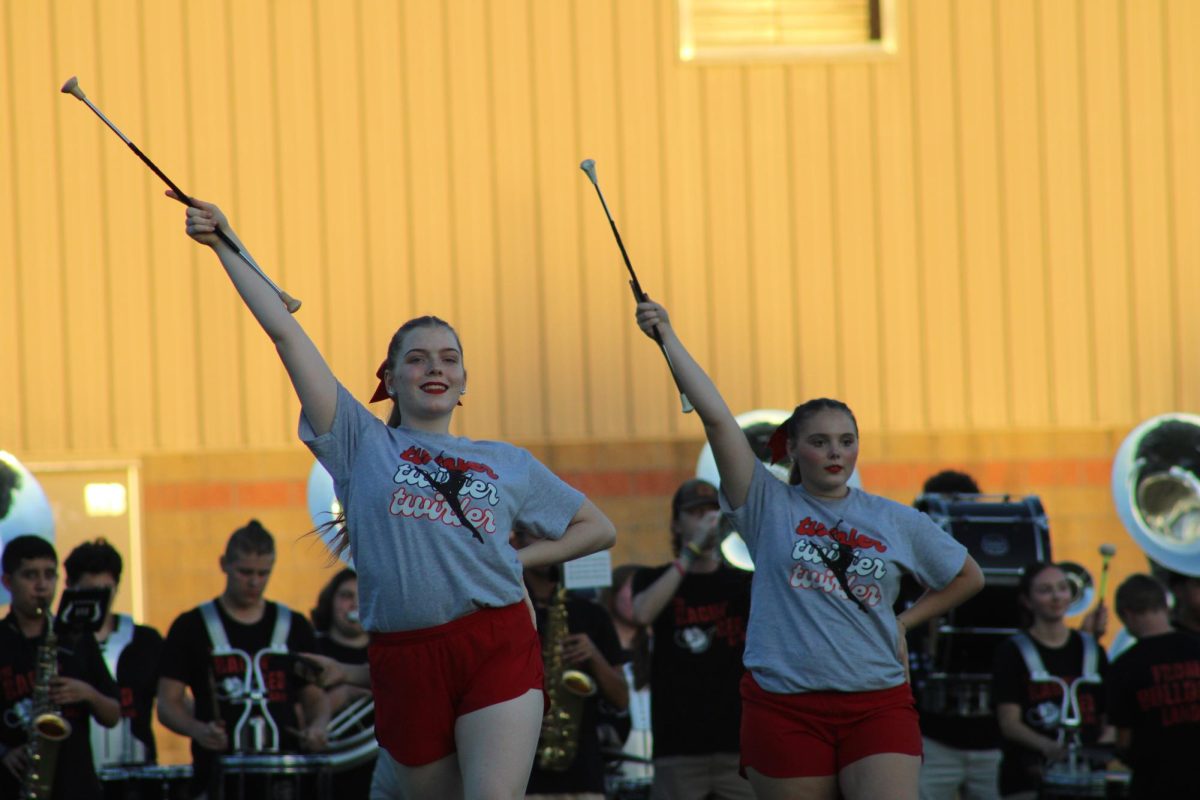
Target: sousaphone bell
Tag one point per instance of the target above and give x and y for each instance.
(1156, 489)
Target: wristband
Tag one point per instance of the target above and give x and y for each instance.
(696, 550)
(678, 564)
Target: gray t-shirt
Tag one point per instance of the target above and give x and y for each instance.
(418, 565)
(805, 633)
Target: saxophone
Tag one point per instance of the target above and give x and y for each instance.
(47, 728)
(566, 688)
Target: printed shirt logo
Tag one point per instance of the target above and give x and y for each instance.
(693, 639)
(1173, 696)
(229, 670)
(699, 626)
(818, 563)
(470, 484)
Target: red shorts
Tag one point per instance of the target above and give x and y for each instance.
(818, 733)
(426, 679)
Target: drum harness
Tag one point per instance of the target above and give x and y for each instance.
(251, 690)
(116, 745)
(1070, 719)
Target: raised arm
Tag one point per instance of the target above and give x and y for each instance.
(650, 601)
(313, 381)
(735, 460)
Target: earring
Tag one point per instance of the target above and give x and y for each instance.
(462, 390)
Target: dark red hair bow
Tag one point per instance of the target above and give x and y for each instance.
(777, 444)
(381, 392)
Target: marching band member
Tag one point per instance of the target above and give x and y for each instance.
(131, 654)
(589, 644)
(341, 638)
(1029, 708)
(697, 607)
(962, 754)
(340, 635)
(454, 660)
(232, 654)
(78, 682)
(1154, 695)
(825, 702)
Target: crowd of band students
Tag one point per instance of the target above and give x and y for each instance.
(674, 633)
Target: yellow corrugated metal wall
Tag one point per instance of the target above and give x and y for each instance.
(993, 229)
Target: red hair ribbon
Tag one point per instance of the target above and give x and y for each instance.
(381, 392)
(777, 444)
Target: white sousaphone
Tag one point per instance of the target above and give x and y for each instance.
(1156, 489)
(24, 508)
(758, 425)
(323, 506)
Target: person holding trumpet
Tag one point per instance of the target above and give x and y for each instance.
(697, 606)
(455, 663)
(826, 703)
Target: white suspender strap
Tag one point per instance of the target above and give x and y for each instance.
(283, 626)
(216, 631)
(1031, 656)
(116, 745)
(1091, 656)
(117, 641)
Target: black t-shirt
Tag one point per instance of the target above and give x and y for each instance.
(586, 772)
(326, 646)
(1154, 690)
(137, 679)
(187, 657)
(78, 657)
(1041, 703)
(696, 666)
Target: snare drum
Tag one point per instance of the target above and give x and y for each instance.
(631, 789)
(146, 782)
(1062, 783)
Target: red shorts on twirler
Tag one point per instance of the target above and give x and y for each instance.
(818, 733)
(426, 679)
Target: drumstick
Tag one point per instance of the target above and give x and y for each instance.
(71, 87)
(1107, 551)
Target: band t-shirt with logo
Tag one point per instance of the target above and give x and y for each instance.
(696, 663)
(187, 657)
(419, 565)
(1154, 690)
(806, 632)
(78, 657)
(1021, 768)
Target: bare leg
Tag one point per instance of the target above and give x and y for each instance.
(435, 781)
(886, 776)
(496, 746)
(823, 787)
